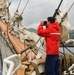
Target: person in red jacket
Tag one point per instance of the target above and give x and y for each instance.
(52, 38)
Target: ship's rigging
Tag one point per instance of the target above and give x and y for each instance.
(56, 11)
(31, 46)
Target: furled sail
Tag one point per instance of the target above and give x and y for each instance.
(65, 25)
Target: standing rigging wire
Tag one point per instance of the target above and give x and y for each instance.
(57, 9)
(70, 7)
(18, 5)
(9, 3)
(24, 7)
(66, 13)
(60, 4)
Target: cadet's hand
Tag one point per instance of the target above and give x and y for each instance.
(42, 22)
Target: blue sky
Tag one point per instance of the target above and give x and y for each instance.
(39, 10)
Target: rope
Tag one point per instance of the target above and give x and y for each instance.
(30, 47)
(36, 68)
(24, 7)
(67, 48)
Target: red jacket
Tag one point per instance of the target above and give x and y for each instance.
(52, 37)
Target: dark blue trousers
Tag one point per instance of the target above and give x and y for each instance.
(52, 65)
